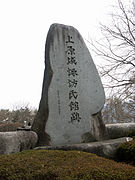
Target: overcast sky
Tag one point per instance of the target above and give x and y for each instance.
(23, 28)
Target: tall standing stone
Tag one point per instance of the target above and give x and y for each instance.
(72, 92)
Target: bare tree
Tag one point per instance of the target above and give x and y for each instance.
(18, 115)
(117, 111)
(117, 47)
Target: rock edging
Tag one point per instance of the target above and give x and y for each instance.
(105, 148)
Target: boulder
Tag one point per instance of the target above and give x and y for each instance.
(119, 129)
(13, 142)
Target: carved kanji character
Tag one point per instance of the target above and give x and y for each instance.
(73, 94)
(70, 50)
(71, 60)
(72, 83)
(72, 72)
(75, 117)
(69, 39)
(74, 106)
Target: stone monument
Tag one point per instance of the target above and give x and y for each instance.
(72, 92)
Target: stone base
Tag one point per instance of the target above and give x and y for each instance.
(103, 148)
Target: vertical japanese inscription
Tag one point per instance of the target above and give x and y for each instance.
(58, 96)
(72, 75)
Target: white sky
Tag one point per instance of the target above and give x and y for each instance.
(23, 28)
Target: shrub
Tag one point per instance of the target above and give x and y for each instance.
(126, 152)
(62, 165)
(131, 134)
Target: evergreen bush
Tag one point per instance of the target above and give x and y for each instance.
(126, 152)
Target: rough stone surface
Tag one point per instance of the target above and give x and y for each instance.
(103, 148)
(119, 129)
(13, 142)
(72, 93)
